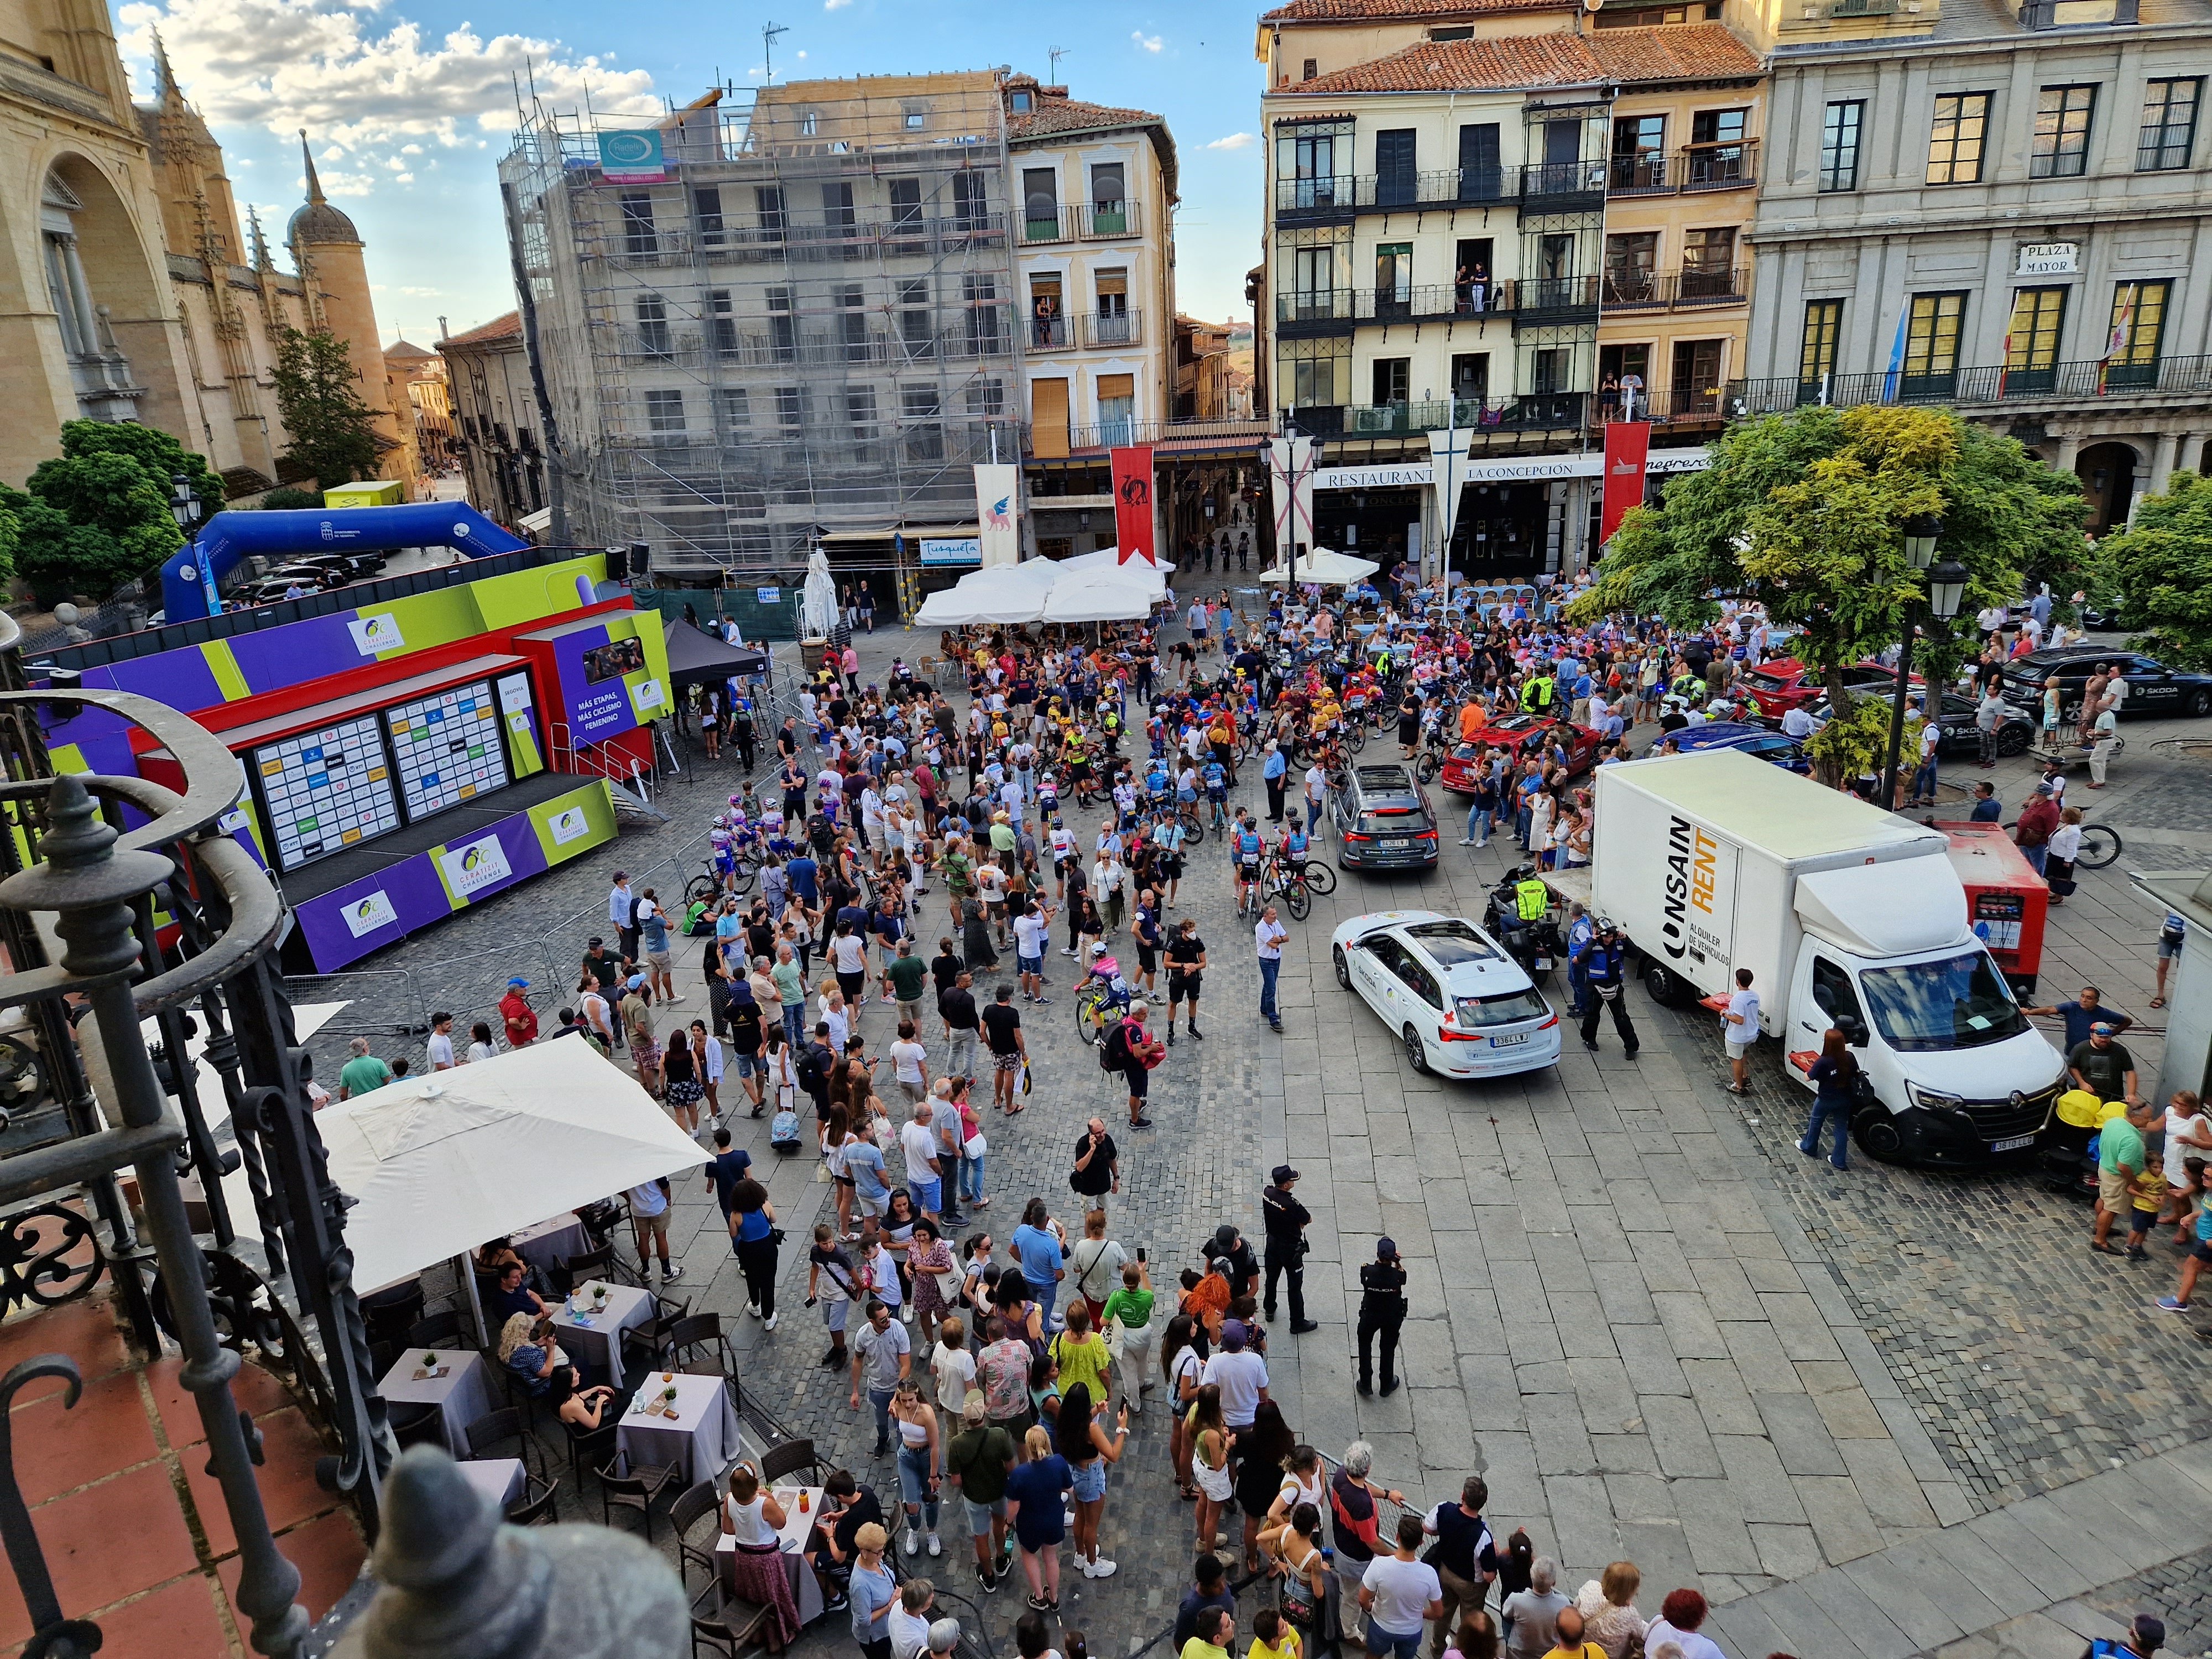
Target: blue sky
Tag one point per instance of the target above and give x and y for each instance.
(409, 106)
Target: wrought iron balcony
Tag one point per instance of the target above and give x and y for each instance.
(1691, 288)
(2084, 382)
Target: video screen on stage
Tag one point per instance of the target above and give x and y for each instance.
(325, 791)
(448, 747)
(612, 660)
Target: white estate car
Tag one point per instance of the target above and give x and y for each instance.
(1460, 1005)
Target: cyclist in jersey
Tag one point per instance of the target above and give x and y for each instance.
(1246, 845)
(1217, 790)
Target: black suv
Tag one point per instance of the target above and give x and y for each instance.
(2153, 687)
(1384, 821)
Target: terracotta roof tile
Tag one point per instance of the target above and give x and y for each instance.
(1048, 115)
(1315, 11)
(509, 327)
(1696, 51)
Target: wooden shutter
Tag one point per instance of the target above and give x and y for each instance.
(1049, 419)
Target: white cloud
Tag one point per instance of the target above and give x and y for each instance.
(1234, 141)
(835, 5)
(1150, 43)
(283, 65)
(338, 184)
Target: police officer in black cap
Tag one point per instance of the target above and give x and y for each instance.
(1286, 1221)
(1382, 1308)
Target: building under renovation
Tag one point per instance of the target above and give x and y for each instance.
(772, 318)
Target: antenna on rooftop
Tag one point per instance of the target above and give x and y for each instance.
(1056, 53)
(769, 32)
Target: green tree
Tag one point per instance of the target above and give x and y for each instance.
(90, 524)
(160, 456)
(1803, 512)
(285, 499)
(318, 397)
(2162, 563)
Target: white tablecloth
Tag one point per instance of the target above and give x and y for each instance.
(805, 1589)
(462, 1397)
(499, 1479)
(598, 1346)
(551, 1242)
(702, 1439)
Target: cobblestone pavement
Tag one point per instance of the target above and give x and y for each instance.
(1658, 1331)
(2179, 1592)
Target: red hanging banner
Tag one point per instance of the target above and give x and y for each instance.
(1627, 444)
(1132, 505)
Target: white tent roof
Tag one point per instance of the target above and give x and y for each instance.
(1108, 559)
(999, 593)
(1086, 596)
(440, 1164)
(1324, 566)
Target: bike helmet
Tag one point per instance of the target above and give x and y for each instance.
(1097, 950)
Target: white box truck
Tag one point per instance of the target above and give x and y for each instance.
(1848, 917)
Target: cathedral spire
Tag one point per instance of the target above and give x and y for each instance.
(314, 185)
(167, 93)
(261, 259)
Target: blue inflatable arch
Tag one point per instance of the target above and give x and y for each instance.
(197, 569)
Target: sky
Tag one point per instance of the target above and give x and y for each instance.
(411, 103)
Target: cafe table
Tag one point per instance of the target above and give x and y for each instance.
(548, 1243)
(499, 1479)
(805, 1589)
(460, 1388)
(697, 1431)
(592, 1335)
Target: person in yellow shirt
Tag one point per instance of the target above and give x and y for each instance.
(1217, 1629)
(2147, 1196)
(1274, 1636)
(1081, 1353)
(1568, 1627)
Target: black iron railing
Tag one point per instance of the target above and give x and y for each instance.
(2082, 382)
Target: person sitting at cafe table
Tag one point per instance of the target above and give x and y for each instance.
(584, 1409)
(527, 1349)
(847, 1506)
(754, 1520)
(511, 1296)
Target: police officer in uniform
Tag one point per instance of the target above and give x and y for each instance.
(1382, 1308)
(1606, 975)
(1286, 1220)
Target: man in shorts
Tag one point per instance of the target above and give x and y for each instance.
(1123, 1043)
(1186, 976)
(977, 1461)
(1002, 1029)
(1150, 939)
(832, 1283)
(649, 1208)
(1002, 1370)
(1032, 932)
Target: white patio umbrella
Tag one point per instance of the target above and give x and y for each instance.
(1323, 566)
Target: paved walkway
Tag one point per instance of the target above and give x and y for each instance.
(1659, 1332)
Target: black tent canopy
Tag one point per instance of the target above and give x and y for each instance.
(698, 658)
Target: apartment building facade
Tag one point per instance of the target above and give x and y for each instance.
(2012, 217)
(1443, 258)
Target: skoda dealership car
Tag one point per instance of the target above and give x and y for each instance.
(1458, 1003)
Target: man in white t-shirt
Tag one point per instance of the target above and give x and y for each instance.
(1242, 1375)
(1316, 792)
(440, 1046)
(1740, 1030)
(924, 1174)
(1032, 933)
(1400, 1593)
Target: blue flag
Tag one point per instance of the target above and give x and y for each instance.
(1890, 380)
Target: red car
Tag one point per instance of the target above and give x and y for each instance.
(1784, 684)
(1524, 734)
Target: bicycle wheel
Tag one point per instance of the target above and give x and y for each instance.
(1087, 1014)
(1425, 766)
(1297, 900)
(1194, 829)
(1320, 877)
(1355, 736)
(743, 877)
(702, 889)
(2101, 845)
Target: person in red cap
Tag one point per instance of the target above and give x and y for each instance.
(515, 1009)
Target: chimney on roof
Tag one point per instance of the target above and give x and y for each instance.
(444, 333)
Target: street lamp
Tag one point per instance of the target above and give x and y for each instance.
(184, 503)
(1920, 534)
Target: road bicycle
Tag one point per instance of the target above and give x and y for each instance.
(1096, 1009)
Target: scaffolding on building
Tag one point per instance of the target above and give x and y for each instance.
(804, 326)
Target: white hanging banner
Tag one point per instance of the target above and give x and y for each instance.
(1290, 465)
(998, 496)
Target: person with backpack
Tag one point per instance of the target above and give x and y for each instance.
(1465, 1557)
(1127, 1047)
(1835, 1077)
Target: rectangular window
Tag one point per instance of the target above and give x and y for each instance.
(1470, 376)
(918, 420)
(972, 204)
(664, 411)
(1816, 349)
(653, 325)
(782, 326)
(2169, 123)
(1697, 386)
(1954, 141)
(1109, 199)
(986, 334)
(1313, 281)
(1931, 345)
(915, 119)
(1392, 378)
(1639, 153)
(987, 399)
(1394, 280)
(852, 324)
(1312, 67)
(2039, 317)
(1453, 32)
(906, 204)
(1305, 166)
(1551, 369)
(1041, 203)
(1048, 418)
(735, 407)
(2061, 149)
(1481, 179)
(707, 204)
(1113, 325)
(768, 205)
(1839, 144)
(837, 208)
(637, 229)
(914, 319)
(1397, 179)
(722, 322)
(1632, 261)
(1716, 154)
(1117, 410)
(2138, 325)
(791, 410)
(1709, 263)
(860, 411)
